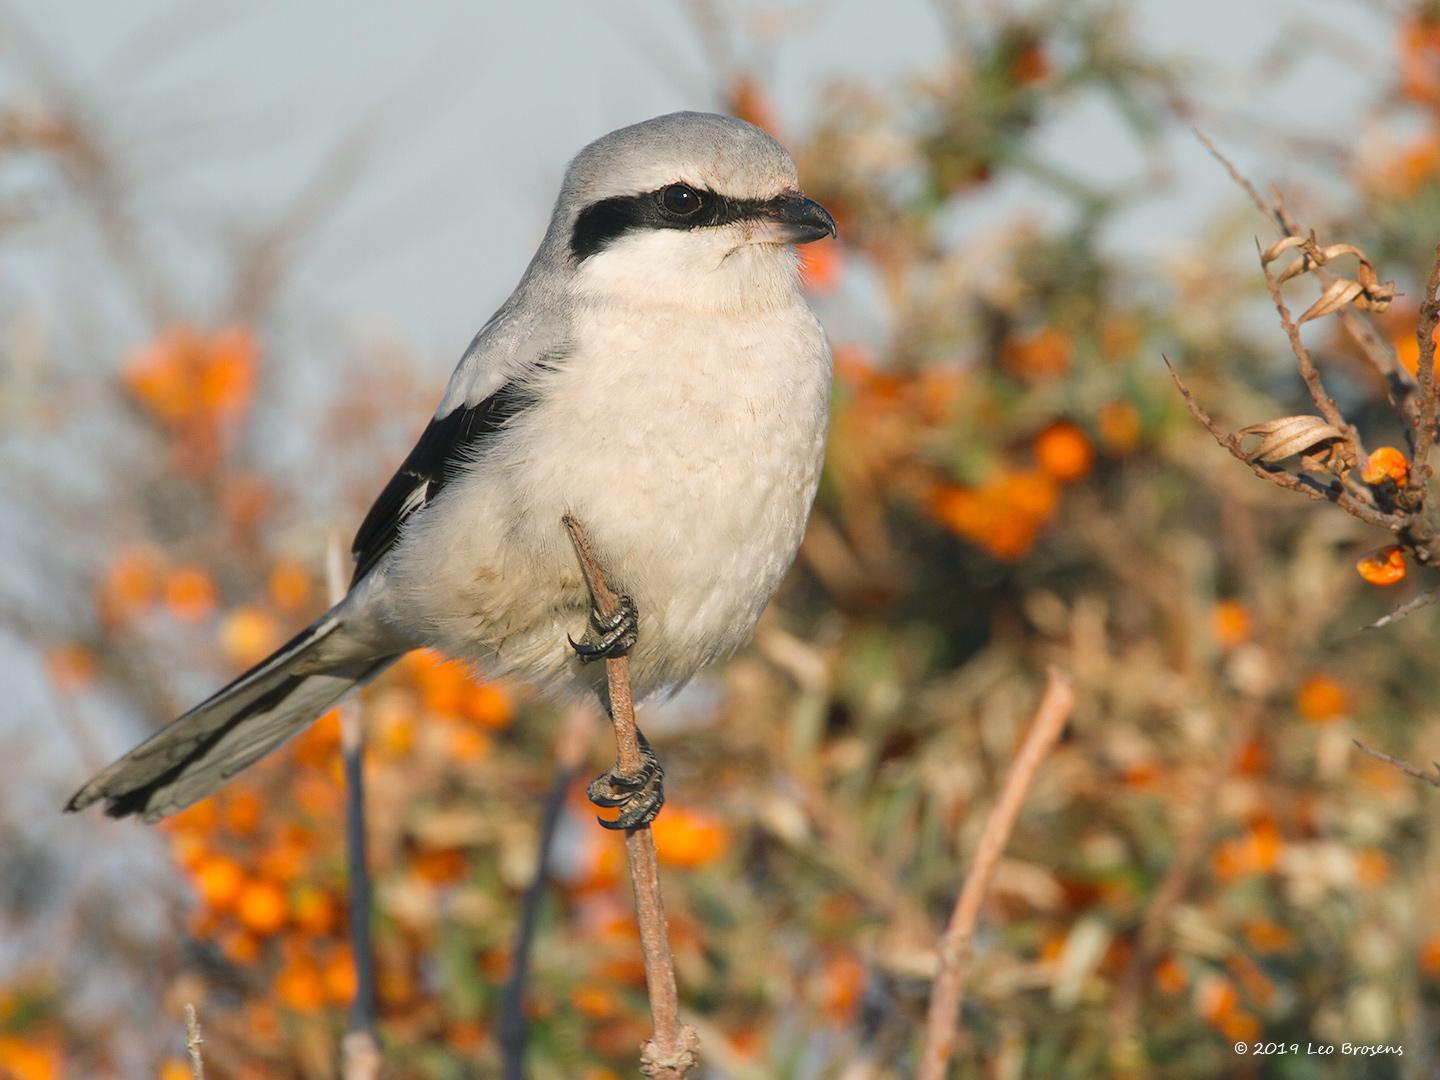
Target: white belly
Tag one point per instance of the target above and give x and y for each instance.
(692, 469)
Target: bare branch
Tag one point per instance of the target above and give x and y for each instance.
(675, 1048)
(193, 1041)
(1433, 779)
(954, 947)
(1361, 331)
(1425, 373)
(1405, 610)
(1289, 481)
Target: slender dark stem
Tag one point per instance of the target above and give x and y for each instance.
(512, 1003)
(364, 1012)
(360, 1050)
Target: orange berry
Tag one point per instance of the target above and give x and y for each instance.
(1383, 566)
(261, 906)
(1430, 956)
(30, 1058)
(468, 745)
(1170, 976)
(160, 375)
(219, 881)
(1385, 463)
(338, 975)
(842, 982)
(1216, 998)
(1322, 698)
(1240, 1027)
(300, 986)
(315, 911)
(596, 1002)
(71, 668)
(248, 635)
(227, 374)
(289, 587)
(130, 581)
(689, 838)
(1230, 623)
(1063, 452)
(240, 946)
(176, 1069)
(488, 704)
(1265, 936)
(1119, 425)
(1372, 868)
(285, 861)
(1040, 355)
(1407, 349)
(242, 812)
(196, 819)
(189, 594)
(440, 866)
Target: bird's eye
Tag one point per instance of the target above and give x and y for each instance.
(680, 200)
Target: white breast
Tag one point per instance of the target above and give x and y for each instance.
(688, 444)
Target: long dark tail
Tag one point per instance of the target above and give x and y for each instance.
(229, 731)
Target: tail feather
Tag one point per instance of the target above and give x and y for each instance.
(230, 730)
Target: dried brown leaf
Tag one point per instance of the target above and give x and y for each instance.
(1287, 436)
(1340, 293)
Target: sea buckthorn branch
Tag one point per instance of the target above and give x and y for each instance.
(674, 1048)
(1383, 489)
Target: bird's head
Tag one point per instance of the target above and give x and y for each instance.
(690, 208)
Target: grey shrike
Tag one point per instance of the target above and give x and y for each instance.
(658, 375)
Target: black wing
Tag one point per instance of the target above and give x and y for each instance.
(447, 444)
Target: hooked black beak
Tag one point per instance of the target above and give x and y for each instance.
(800, 220)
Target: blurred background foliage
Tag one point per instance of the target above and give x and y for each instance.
(1013, 481)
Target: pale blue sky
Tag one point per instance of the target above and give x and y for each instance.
(227, 112)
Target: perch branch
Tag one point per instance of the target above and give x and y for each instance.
(955, 943)
(674, 1048)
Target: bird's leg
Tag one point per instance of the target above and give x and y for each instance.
(640, 795)
(609, 635)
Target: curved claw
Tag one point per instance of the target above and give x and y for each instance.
(640, 794)
(641, 811)
(617, 633)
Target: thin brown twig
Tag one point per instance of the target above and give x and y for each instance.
(1289, 481)
(1405, 610)
(1425, 372)
(1308, 371)
(1433, 779)
(193, 1041)
(954, 947)
(1361, 330)
(674, 1048)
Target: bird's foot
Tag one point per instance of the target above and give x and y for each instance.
(609, 635)
(639, 795)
